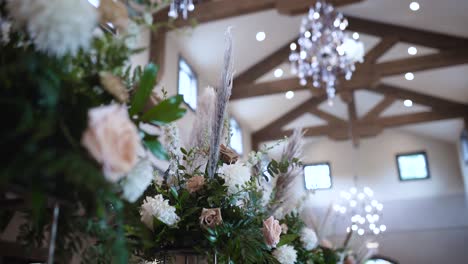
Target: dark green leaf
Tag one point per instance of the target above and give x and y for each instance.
(165, 112)
(157, 149)
(287, 239)
(147, 82)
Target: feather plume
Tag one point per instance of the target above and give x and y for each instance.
(223, 92)
(200, 130)
(287, 195)
(200, 136)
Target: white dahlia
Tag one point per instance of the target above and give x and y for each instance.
(56, 27)
(309, 238)
(285, 254)
(137, 180)
(158, 207)
(235, 176)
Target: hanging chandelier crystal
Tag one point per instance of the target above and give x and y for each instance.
(362, 212)
(325, 51)
(181, 6)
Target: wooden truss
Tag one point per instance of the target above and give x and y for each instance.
(368, 76)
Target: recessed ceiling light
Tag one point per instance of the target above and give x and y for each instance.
(289, 94)
(355, 35)
(278, 73)
(412, 50)
(409, 76)
(293, 46)
(260, 36)
(414, 6)
(408, 103)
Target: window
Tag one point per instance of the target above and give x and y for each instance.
(236, 136)
(188, 84)
(317, 176)
(413, 166)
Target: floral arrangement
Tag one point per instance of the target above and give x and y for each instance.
(76, 112)
(212, 203)
(85, 128)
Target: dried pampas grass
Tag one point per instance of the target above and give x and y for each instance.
(222, 97)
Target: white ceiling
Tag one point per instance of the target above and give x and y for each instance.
(449, 16)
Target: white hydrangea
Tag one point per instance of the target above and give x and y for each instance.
(285, 254)
(158, 207)
(309, 238)
(137, 180)
(235, 176)
(57, 27)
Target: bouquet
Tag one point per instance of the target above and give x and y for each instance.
(75, 111)
(211, 203)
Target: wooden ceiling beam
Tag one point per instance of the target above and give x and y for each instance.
(406, 34)
(362, 128)
(208, 11)
(437, 104)
(421, 63)
(380, 49)
(409, 119)
(375, 112)
(363, 77)
(353, 119)
(332, 119)
(265, 65)
(276, 126)
(295, 7)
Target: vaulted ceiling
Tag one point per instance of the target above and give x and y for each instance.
(372, 100)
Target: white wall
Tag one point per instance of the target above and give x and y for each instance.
(374, 164)
(427, 220)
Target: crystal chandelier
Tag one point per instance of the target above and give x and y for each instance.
(325, 51)
(181, 6)
(363, 212)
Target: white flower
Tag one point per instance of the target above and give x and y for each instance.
(159, 208)
(5, 27)
(158, 179)
(235, 176)
(353, 49)
(285, 254)
(137, 180)
(57, 27)
(308, 238)
(148, 18)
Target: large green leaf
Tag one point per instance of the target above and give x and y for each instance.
(287, 239)
(156, 148)
(147, 82)
(165, 112)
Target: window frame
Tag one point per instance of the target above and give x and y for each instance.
(242, 135)
(422, 152)
(195, 75)
(315, 164)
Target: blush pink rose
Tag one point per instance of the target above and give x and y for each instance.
(271, 231)
(195, 183)
(211, 217)
(112, 139)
